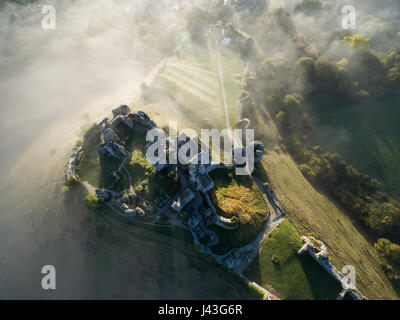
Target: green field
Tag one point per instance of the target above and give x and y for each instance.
(193, 82)
(312, 211)
(294, 277)
(89, 170)
(316, 214)
(237, 196)
(366, 135)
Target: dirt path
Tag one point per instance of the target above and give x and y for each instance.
(276, 213)
(221, 81)
(275, 210)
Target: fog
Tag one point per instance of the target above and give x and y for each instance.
(56, 83)
(47, 75)
(53, 85)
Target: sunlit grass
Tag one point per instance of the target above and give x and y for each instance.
(293, 277)
(238, 196)
(193, 81)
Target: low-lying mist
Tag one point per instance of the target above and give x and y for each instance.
(48, 75)
(53, 83)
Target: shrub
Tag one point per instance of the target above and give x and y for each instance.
(362, 95)
(394, 77)
(329, 77)
(291, 103)
(308, 172)
(71, 181)
(305, 67)
(280, 116)
(383, 217)
(92, 201)
(388, 249)
(284, 20)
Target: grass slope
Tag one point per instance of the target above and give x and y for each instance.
(193, 82)
(238, 196)
(294, 277)
(314, 213)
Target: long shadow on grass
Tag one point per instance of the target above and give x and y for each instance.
(253, 271)
(323, 286)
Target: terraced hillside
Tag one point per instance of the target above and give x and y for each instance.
(194, 85)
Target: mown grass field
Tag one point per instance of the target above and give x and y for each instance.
(316, 214)
(367, 135)
(193, 82)
(294, 277)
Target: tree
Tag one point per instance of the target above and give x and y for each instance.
(284, 20)
(271, 76)
(388, 249)
(305, 73)
(394, 77)
(280, 116)
(197, 31)
(268, 69)
(195, 12)
(368, 70)
(92, 201)
(358, 41)
(220, 11)
(167, 39)
(305, 67)
(382, 217)
(308, 172)
(308, 7)
(328, 77)
(291, 102)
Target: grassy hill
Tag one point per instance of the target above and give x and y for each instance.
(294, 277)
(188, 82)
(312, 211)
(316, 214)
(237, 196)
(193, 83)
